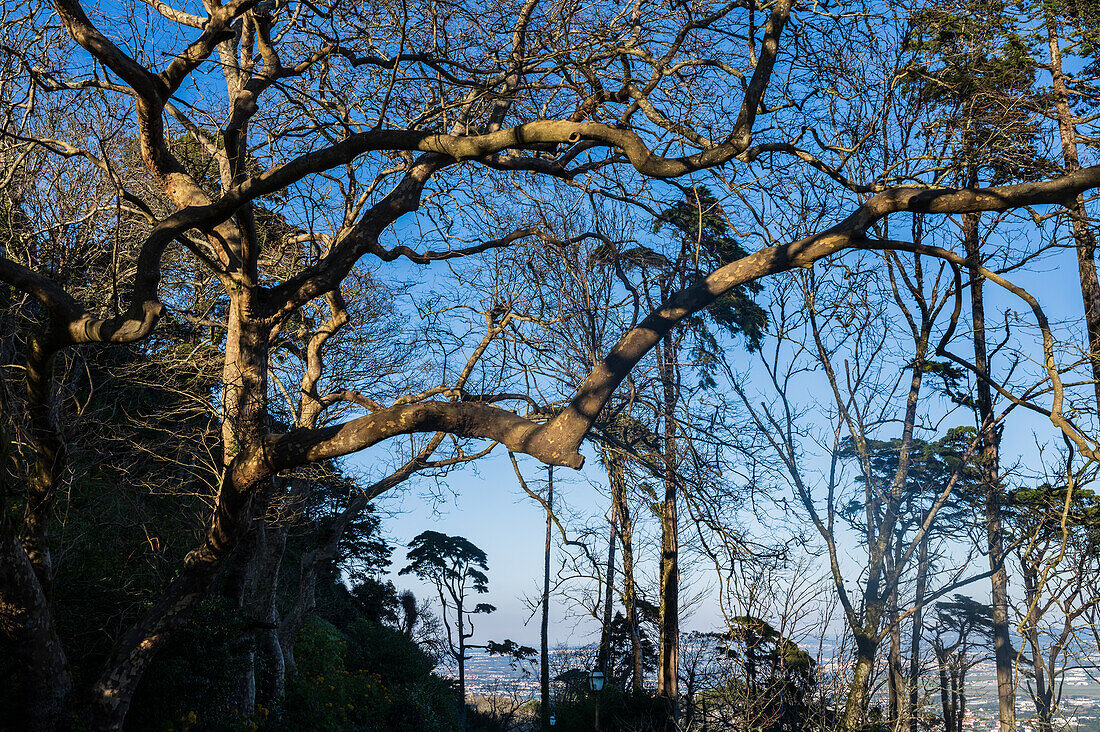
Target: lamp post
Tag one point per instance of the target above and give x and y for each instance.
(595, 682)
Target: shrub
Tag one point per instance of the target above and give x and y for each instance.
(368, 677)
(194, 680)
(620, 710)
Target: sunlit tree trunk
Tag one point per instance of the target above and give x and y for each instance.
(856, 702)
(244, 426)
(1083, 236)
(669, 655)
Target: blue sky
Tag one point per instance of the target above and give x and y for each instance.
(484, 503)
(489, 508)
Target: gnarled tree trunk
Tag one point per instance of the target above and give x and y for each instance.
(243, 431)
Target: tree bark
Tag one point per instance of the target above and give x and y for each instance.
(49, 457)
(271, 675)
(945, 694)
(238, 588)
(617, 477)
(989, 461)
(244, 427)
(461, 658)
(915, 638)
(1044, 695)
(26, 625)
(857, 699)
(604, 659)
(262, 615)
(544, 630)
(26, 568)
(882, 574)
(669, 657)
(1083, 236)
(897, 677)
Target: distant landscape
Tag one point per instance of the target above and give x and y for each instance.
(489, 675)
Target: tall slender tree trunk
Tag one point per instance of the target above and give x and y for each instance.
(897, 677)
(1044, 694)
(544, 631)
(915, 637)
(604, 660)
(989, 458)
(253, 584)
(617, 477)
(1083, 235)
(272, 670)
(243, 577)
(669, 657)
(856, 702)
(960, 685)
(895, 682)
(462, 665)
(882, 572)
(945, 693)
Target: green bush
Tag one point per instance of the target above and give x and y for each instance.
(621, 710)
(367, 678)
(191, 684)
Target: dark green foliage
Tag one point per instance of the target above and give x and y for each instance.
(704, 231)
(447, 560)
(964, 615)
(368, 599)
(621, 710)
(621, 654)
(773, 683)
(368, 677)
(705, 243)
(192, 682)
(974, 68)
(376, 600)
(931, 467)
(1042, 510)
(510, 649)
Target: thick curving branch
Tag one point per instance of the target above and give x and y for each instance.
(564, 433)
(465, 419)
